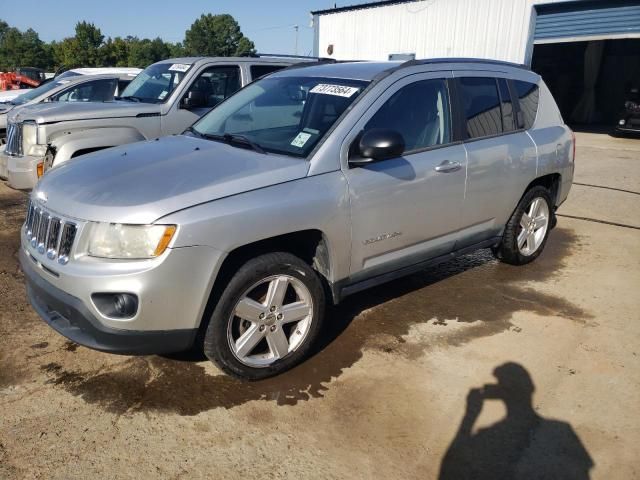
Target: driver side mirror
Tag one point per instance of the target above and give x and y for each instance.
(193, 99)
(378, 144)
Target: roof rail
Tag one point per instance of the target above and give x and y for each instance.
(427, 61)
(282, 55)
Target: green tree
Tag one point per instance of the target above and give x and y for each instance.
(22, 49)
(217, 35)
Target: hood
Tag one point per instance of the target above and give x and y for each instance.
(141, 182)
(5, 108)
(62, 111)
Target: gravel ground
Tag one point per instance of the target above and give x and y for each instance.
(394, 392)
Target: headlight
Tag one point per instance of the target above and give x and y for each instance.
(29, 134)
(115, 240)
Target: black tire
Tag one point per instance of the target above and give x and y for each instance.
(216, 344)
(507, 251)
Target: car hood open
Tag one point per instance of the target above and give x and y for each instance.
(141, 182)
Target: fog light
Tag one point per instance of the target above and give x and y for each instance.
(116, 305)
(621, 122)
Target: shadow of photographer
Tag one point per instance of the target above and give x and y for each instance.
(523, 445)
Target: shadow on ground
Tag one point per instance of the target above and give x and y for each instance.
(474, 289)
(523, 445)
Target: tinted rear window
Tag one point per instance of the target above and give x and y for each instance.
(528, 99)
(258, 71)
(481, 105)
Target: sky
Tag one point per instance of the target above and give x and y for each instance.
(269, 23)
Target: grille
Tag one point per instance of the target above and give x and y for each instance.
(49, 234)
(14, 139)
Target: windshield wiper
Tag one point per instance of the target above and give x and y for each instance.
(194, 131)
(234, 139)
(130, 98)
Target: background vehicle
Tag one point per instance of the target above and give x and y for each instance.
(164, 99)
(630, 117)
(305, 187)
(83, 84)
(25, 77)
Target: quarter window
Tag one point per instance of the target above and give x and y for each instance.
(481, 105)
(419, 112)
(528, 102)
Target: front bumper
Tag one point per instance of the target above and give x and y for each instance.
(22, 172)
(69, 316)
(172, 292)
(631, 123)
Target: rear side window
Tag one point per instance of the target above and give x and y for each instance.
(419, 112)
(528, 102)
(96, 91)
(508, 118)
(258, 71)
(481, 104)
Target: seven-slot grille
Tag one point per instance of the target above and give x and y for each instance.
(14, 139)
(49, 233)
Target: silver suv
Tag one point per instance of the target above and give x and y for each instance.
(307, 186)
(164, 99)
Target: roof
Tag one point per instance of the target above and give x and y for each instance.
(105, 70)
(271, 58)
(360, 6)
(345, 70)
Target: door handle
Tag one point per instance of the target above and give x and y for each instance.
(448, 166)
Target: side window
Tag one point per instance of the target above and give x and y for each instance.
(481, 105)
(419, 112)
(258, 71)
(122, 84)
(528, 102)
(508, 120)
(215, 84)
(96, 91)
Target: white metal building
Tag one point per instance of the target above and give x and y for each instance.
(581, 47)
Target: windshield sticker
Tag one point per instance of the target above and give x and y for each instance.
(179, 67)
(339, 90)
(162, 95)
(301, 139)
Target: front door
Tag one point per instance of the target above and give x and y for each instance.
(408, 209)
(211, 87)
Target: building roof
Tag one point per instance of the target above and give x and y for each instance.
(360, 6)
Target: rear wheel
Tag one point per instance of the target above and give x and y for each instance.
(267, 318)
(526, 233)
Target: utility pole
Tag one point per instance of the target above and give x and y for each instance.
(295, 50)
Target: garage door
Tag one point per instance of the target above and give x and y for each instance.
(587, 20)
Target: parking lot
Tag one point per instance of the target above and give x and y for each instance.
(392, 391)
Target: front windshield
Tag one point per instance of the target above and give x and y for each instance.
(287, 115)
(155, 83)
(36, 92)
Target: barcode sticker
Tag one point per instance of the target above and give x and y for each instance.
(339, 90)
(179, 67)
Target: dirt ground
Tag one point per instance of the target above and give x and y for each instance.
(393, 393)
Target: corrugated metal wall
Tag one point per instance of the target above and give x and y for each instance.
(588, 20)
(498, 29)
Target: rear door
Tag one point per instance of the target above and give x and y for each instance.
(407, 209)
(501, 157)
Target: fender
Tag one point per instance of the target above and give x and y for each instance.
(66, 145)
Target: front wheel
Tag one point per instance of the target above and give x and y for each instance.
(267, 318)
(526, 233)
